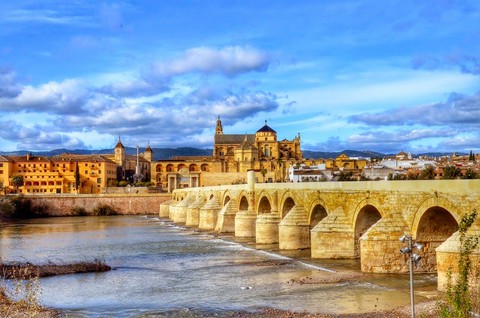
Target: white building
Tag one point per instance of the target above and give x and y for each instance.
(304, 173)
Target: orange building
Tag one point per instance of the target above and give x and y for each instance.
(57, 174)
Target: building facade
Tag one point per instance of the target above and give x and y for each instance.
(233, 155)
(65, 173)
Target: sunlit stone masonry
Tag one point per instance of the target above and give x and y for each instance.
(342, 219)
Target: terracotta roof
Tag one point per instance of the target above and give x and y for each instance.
(246, 144)
(233, 139)
(82, 158)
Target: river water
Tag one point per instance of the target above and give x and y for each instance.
(162, 270)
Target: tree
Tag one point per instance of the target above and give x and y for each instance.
(458, 300)
(263, 172)
(345, 176)
(451, 172)
(471, 174)
(77, 178)
(471, 157)
(17, 182)
(428, 173)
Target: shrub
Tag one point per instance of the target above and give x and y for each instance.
(122, 183)
(104, 210)
(19, 207)
(460, 299)
(78, 211)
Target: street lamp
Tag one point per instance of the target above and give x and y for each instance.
(414, 259)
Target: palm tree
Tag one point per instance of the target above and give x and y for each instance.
(17, 182)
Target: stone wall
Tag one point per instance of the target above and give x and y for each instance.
(215, 179)
(61, 205)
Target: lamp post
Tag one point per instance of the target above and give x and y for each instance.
(413, 259)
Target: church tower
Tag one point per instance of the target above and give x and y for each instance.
(219, 128)
(120, 153)
(148, 153)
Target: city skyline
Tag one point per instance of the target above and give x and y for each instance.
(385, 77)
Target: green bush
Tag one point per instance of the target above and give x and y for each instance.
(104, 210)
(460, 298)
(18, 207)
(78, 211)
(122, 183)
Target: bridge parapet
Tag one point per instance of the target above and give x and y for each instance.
(351, 219)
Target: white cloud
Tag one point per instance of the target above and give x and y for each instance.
(230, 61)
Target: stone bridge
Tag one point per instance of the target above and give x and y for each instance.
(340, 219)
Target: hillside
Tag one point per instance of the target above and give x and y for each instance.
(168, 153)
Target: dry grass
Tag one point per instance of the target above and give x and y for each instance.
(50, 269)
(19, 296)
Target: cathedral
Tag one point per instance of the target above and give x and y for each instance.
(247, 152)
(233, 155)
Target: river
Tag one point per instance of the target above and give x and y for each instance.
(163, 270)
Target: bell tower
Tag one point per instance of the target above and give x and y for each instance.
(120, 153)
(219, 128)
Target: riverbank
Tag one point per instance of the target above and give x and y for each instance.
(181, 272)
(426, 302)
(28, 270)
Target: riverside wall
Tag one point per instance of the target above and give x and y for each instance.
(63, 205)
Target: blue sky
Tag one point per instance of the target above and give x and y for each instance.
(367, 75)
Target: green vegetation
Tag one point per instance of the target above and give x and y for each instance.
(428, 173)
(345, 176)
(451, 172)
(17, 181)
(471, 174)
(144, 184)
(18, 207)
(461, 299)
(104, 210)
(471, 156)
(78, 211)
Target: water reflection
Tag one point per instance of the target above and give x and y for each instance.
(162, 268)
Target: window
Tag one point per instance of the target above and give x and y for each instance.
(86, 171)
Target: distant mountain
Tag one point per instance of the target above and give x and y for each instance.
(310, 154)
(158, 153)
(168, 153)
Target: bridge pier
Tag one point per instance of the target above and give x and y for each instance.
(226, 218)
(293, 230)
(193, 212)
(179, 213)
(245, 224)
(380, 247)
(447, 259)
(208, 215)
(266, 228)
(165, 208)
(333, 237)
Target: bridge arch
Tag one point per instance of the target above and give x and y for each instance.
(434, 227)
(243, 203)
(264, 205)
(430, 202)
(366, 217)
(316, 213)
(226, 199)
(287, 205)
